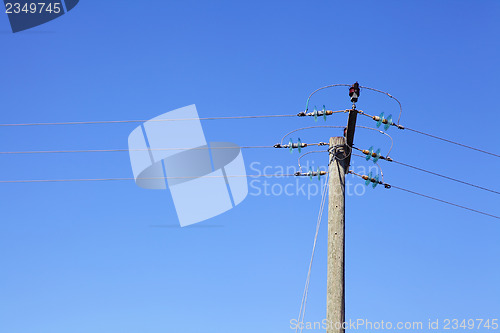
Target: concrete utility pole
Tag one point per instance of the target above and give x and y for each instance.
(335, 305)
(340, 157)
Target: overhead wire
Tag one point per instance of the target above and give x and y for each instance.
(331, 126)
(394, 98)
(430, 197)
(129, 178)
(381, 132)
(235, 117)
(435, 174)
(376, 163)
(363, 87)
(453, 142)
(308, 127)
(142, 120)
(446, 202)
(446, 177)
(435, 137)
(303, 304)
(329, 86)
(345, 155)
(311, 152)
(120, 150)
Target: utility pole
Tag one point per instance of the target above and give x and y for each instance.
(339, 160)
(335, 305)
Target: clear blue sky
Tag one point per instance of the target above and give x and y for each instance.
(85, 257)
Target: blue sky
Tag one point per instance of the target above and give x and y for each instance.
(108, 257)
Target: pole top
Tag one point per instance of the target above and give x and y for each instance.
(354, 92)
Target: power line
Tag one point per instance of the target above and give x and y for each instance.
(446, 202)
(376, 163)
(329, 86)
(430, 172)
(446, 177)
(121, 150)
(394, 98)
(128, 150)
(311, 152)
(429, 135)
(363, 87)
(308, 279)
(148, 178)
(142, 121)
(453, 142)
(308, 127)
(388, 186)
(330, 126)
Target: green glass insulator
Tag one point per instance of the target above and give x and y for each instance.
(389, 122)
(376, 181)
(299, 145)
(370, 153)
(376, 158)
(368, 181)
(381, 118)
(315, 113)
(310, 173)
(324, 112)
(319, 175)
(290, 145)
